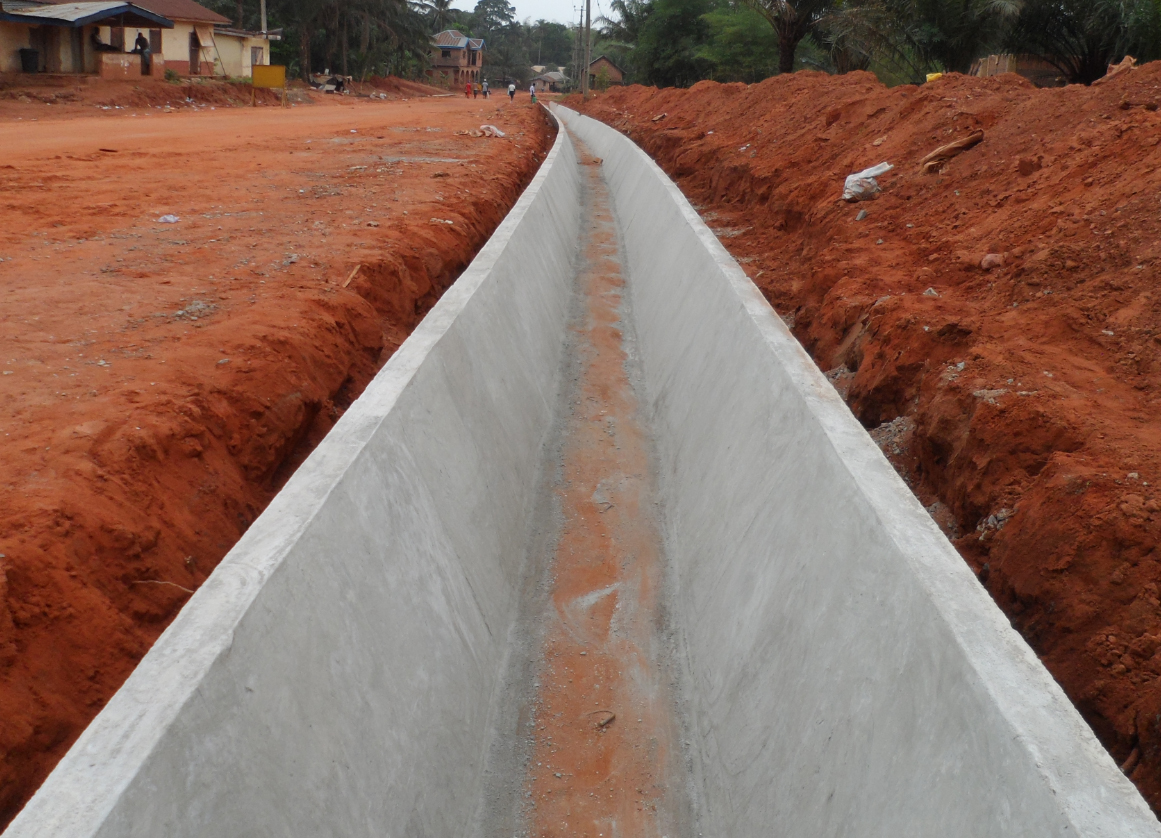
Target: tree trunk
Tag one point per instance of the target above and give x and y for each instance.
(304, 39)
(787, 45)
(345, 36)
(238, 9)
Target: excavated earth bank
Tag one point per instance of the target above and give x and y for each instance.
(161, 381)
(1019, 401)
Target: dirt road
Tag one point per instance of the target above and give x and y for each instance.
(161, 380)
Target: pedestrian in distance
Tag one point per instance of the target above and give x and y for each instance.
(532, 90)
(512, 91)
(141, 47)
(485, 88)
(468, 90)
(475, 90)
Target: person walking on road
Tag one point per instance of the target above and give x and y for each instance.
(512, 92)
(468, 90)
(532, 90)
(485, 88)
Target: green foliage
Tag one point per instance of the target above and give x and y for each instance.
(668, 48)
(171, 76)
(792, 21)
(352, 37)
(741, 47)
(1082, 37)
(950, 34)
(551, 43)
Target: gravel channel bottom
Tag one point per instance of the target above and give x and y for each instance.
(603, 760)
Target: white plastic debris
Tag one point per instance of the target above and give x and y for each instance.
(862, 186)
(491, 131)
(168, 219)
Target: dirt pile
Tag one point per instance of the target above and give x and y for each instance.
(80, 94)
(160, 381)
(996, 323)
(393, 86)
(23, 96)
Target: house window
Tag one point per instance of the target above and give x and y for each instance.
(446, 53)
(256, 56)
(472, 56)
(117, 38)
(155, 41)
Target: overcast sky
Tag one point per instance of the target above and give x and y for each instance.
(562, 11)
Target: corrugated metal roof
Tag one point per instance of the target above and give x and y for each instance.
(454, 39)
(70, 12)
(610, 62)
(172, 9)
(79, 13)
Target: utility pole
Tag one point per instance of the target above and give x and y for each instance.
(576, 45)
(262, 9)
(588, 48)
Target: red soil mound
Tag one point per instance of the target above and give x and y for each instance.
(80, 94)
(400, 87)
(161, 381)
(1019, 401)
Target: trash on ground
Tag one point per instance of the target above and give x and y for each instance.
(168, 219)
(933, 162)
(862, 186)
(485, 131)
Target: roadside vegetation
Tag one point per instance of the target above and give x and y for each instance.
(365, 38)
(675, 43)
(679, 42)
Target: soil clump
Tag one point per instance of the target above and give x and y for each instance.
(993, 320)
(161, 379)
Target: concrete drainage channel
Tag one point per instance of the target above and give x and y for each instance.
(599, 552)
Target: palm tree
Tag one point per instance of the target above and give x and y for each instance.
(951, 34)
(625, 28)
(1082, 37)
(440, 14)
(792, 20)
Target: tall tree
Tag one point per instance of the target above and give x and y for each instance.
(493, 16)
(951, 34)
(440, 13)
(668, 48)
(741, 47)
(792, 20)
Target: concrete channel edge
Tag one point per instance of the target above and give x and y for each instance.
(845, 673)
(375, 592)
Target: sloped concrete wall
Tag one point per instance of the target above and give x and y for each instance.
(845, 672)
(335, 674)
